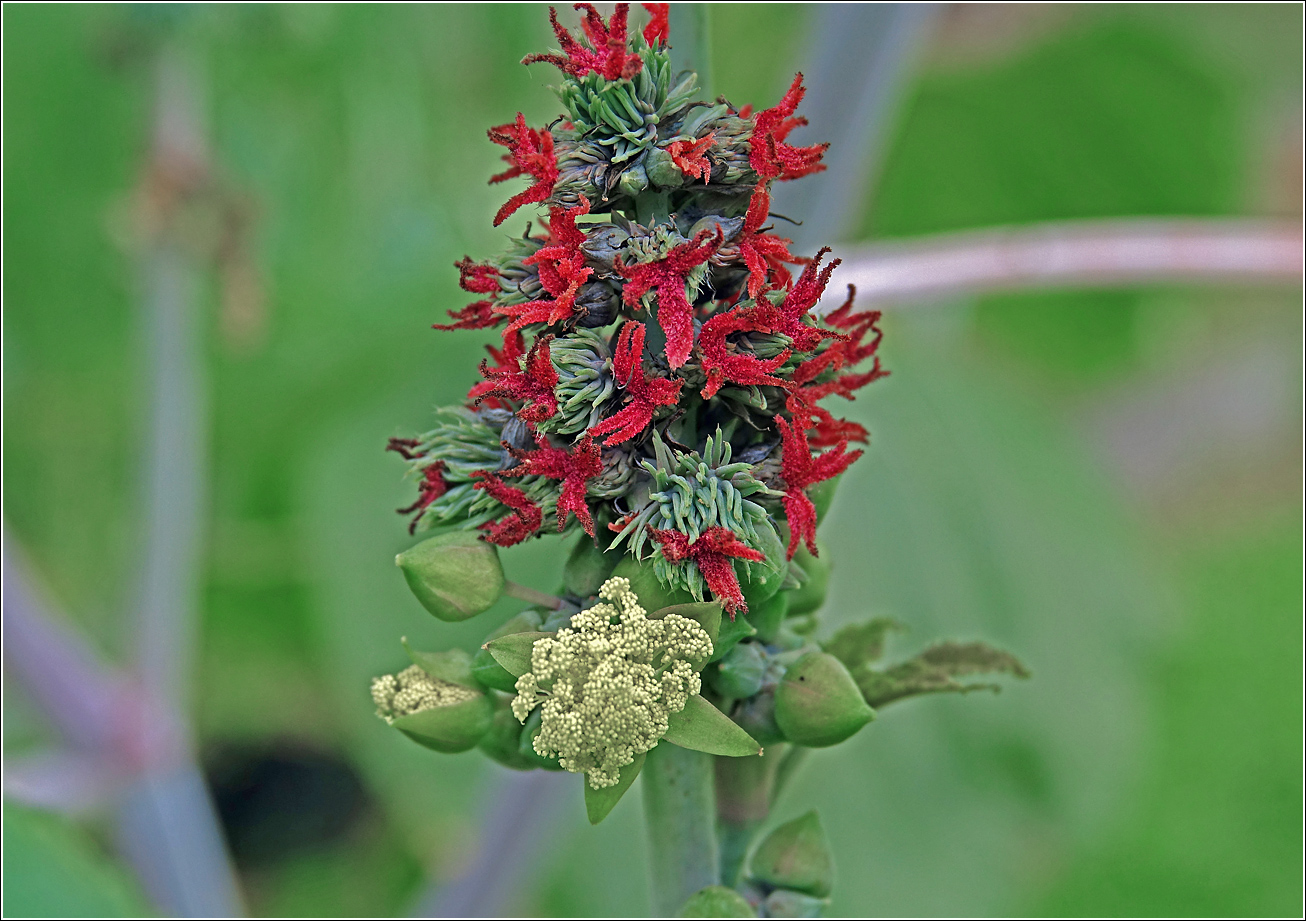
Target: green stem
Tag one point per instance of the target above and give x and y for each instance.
(531, 596)
(680, 809)
(745, 791)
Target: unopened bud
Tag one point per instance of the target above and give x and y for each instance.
(454, 575)
(818, 702)
(502, 739)
(756, 716)
(439, 714)
(740, 672)
(588, 568)
(716, 902)
(487, 670)
(633, 180)
(796, 856)
(812, 589)
(662, 170)
(785, 903)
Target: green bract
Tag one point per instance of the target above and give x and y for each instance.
(439, 714)
(607, 683)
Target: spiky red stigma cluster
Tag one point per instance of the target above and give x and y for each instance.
(661, 367)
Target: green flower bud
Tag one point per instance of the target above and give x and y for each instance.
(795, 856)
(633, 180)
(454, 575)
(785, 903)
(818, 702)
(502, 741)
(486, 669)
(756, 716)
(768, 615)
(740, 672)
(716, 902)
(437, 713)
(766, 578)
(822, 494)
(810, 594)
(588, 568)
(662, 170)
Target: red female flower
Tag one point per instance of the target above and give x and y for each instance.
(658, 29)
(530, 152)
(478, 278)
(532, 384)
(644, 395)
(712, 553)
(726, 364)
(562, 270)
(769, 155)
(505, 361)
(689, 156)
(607, 57)
(572, 467)
(765, 254)
(524, 519)
(668, 276)
(433, 487)
(800, 469)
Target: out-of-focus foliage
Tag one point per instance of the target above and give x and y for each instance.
(1151, 766)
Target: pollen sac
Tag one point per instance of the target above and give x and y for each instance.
(455, 575)
(796, 856)
(818, 702)
(436, 713)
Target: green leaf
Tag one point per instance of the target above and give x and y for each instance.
(452, 665)
(936, 671)
(513, 652)
(702, 727)
(598, 803)
(716, 902)
(857, 644)
(53, 869)
(732, 631)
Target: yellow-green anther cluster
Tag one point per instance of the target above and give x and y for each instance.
(412, 691)
(609, 681)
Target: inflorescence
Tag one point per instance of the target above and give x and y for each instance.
(661, 370)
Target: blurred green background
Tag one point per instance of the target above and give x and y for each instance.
(1064, 474)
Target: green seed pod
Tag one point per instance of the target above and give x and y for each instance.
(740, 672)
(437, 713)
(785, 903)
(810, 595)
(818, 703)
(588, 568)
(652, 594)
(526, 744)
(486, 669)
(455, 575)
(716, 902)
(795, 856)
(662, 170)
(502, 741)
(767, 616)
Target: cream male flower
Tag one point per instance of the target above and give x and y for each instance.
(609, 681)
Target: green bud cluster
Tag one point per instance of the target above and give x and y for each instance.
(607, 684)
(412, 691)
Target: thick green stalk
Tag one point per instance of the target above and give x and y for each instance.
(745, 791)
(680, 809)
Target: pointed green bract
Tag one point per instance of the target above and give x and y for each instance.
(716, 902)
(795, 856)
(455, 575)
(702, 727)
(451, 729)
(513, 651)
(732, 631)
(452, 665)
(598, 803)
